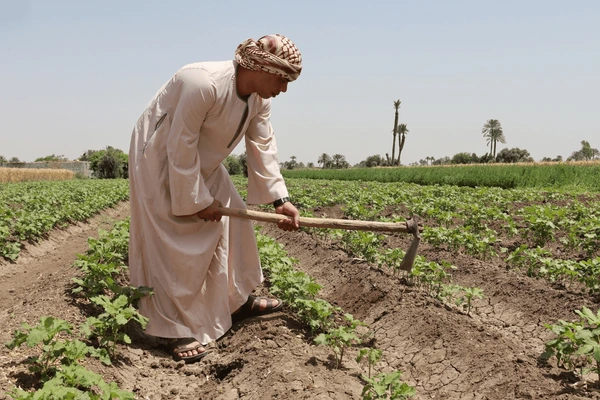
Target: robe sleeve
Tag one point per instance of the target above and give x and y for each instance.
(197, 95)
(265, 183)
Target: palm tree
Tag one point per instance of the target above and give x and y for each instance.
(339, 161)
(492, 131)
(402, 131)
(396, 106)
(324, 159)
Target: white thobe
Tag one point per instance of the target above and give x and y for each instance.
(200, 271)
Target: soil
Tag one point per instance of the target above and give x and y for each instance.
(494, 353)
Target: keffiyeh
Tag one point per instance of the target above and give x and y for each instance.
(271, 53)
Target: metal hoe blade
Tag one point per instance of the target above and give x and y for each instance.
(411, 254)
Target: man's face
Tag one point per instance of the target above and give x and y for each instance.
(270, 85)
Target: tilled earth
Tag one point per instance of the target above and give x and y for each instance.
(492, 354)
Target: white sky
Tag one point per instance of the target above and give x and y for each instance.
(75, 75)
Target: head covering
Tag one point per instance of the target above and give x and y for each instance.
(271, 53)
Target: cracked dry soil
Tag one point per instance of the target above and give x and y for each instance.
(445, 354)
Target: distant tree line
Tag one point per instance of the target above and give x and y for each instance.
(4, 160)
(111, 163)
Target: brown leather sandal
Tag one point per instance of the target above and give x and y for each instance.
(182, 345)
(252, 308)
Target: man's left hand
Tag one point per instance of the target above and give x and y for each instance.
(288, 208)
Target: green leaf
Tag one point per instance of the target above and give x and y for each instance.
(597, 354)
(585, 349)
(321, 339)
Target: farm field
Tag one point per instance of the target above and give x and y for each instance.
(527, 258)
(572, 175)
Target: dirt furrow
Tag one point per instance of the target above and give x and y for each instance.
(443, 352)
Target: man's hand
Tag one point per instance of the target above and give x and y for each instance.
(212, 212)
(288, 208)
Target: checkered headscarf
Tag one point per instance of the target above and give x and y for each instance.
(272, 53)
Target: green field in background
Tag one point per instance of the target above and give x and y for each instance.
(580, 177)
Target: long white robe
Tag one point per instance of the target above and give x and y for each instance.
(200, 271)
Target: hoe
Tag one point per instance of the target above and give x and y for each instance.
(410, 226)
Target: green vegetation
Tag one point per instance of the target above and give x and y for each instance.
(299, 291)
(109, 163)
(577, 345)
(29, 210)
(341, 338)
(577, 177)
(103, 265)
(492, 131)
(109, 326)
(474, 221)
(59, 367)
(52, 158)
(387, 386)
(55, 349)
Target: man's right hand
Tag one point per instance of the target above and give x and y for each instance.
(212, 212)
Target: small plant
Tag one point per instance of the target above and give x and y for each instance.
(371, 354)
(541, 223)
(392, 258)
(74, 382)
(108, 326)
(469, 294)
(447, 292)
(577, 343)
(317, 313)
(103, 264)
(340, 338)
(54, 352)
(362, 244)
(98, 277)
(431, 275)
(387, 386)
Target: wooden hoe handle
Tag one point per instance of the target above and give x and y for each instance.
(411, 226)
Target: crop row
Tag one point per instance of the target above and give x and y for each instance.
(64, 349)
(29, 210)
(549, 234)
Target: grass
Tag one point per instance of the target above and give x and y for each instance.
(563, 176)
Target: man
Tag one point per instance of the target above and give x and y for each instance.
(202, 267)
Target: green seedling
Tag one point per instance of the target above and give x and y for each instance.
(55, 352)
(387, 386)
(109, 326)
(577, 342)
(75, 382)
(341, 338)
(469, 294)
(372, 355)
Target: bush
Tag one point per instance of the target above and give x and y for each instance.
(107, 164)
(233, 165)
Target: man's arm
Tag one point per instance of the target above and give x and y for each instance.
(265, 182)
